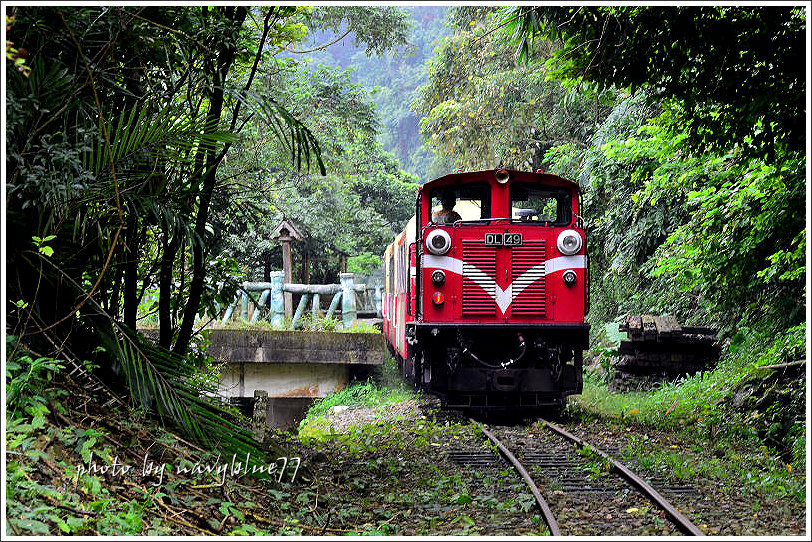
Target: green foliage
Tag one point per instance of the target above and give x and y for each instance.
(172, 388)
(731, 250)
(499, 113)
(30, 396)
(379, 28)
(706, 236)
(627, 219)
(737, 69)
(44, 249)
(361, 327)
(363, 263)
(355, 210)
(360, 394)
(737, 403)
(322, 324)
(63, 447)
(701, 223)
(123, 171)
(27, 380)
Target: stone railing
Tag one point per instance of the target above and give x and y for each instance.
(271, 296)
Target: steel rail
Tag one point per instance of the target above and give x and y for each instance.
(682, 522)
(546, 513)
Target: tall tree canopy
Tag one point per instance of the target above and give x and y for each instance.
(717, 178)
(121, 122)
(739, 71)
(499, 113)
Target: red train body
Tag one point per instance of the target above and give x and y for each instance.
(488, 311)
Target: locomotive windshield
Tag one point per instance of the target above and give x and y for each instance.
(468, 202)
(540, 204)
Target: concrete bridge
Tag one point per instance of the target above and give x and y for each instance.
(278, 372)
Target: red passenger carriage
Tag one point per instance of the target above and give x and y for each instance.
(487, 311)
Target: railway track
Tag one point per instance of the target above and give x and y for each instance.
(585, 491)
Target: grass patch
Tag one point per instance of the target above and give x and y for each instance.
(387, 388)
(360, 394)
(749, 421)
(305, 323)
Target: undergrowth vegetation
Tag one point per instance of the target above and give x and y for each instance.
(387, 388)
(306, 323)
(358, 395)
(753, 403)
(82, 460)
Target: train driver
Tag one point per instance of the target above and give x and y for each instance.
(446, 215)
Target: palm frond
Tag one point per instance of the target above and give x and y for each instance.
(142, 141)
(159, 379)
(162, 381)
(291, 133)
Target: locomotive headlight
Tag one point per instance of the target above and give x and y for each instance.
(438, 298)
(569, 242)
(569, 277)
(438, 242)
(437, 277)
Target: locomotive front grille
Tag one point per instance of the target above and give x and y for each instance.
(478, 272)
(529, 278)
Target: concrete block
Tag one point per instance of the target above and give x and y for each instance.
(264, 346)
(291, 380)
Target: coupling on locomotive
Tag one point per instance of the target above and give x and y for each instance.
(487, 291)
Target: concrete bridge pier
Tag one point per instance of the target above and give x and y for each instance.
(277, 412)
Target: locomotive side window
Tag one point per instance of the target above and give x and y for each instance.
(540, 204)
(403, 267)
(470, 202)
(392, 270)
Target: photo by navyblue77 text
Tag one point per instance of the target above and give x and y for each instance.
(283, 468)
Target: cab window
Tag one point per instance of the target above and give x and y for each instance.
(540, 204)
(470, 202)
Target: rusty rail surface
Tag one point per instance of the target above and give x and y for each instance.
(546, 513)
(679, 520)
(682, 522)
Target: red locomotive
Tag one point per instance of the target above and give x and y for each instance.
(486, 291)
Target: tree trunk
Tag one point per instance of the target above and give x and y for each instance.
(306, 262)
(168, 253)
(217, 92)
(131, 242)
(113, 303)
(266, 259)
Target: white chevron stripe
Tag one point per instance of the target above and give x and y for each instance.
(446, 263)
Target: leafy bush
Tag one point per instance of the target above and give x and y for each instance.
(364, 263)
(27, 380)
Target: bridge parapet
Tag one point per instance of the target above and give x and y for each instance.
(271, 298)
